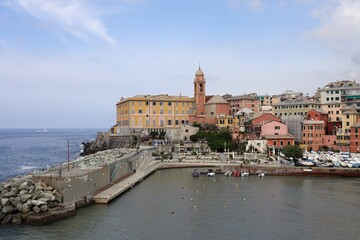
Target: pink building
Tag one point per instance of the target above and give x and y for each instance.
(274, 128)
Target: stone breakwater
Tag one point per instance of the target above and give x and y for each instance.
(31, 198)
(21, 197)
(99, 159)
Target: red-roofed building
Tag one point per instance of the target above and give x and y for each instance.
(264, 118)
(319, 114)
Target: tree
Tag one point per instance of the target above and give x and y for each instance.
(293, 151)
(153, 134)
(194, 138)
(162, 135)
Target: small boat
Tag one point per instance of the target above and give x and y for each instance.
(228, 173)
(325, 164)
(236, 174)
(303, 163)
(196, 172)
(210, 174)
(261, 174)
(244, 174)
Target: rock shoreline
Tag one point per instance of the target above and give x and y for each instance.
(21, 197)
(26, 200)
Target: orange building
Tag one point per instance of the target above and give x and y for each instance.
(279, 141)
(313, 132)
(355, 138)
(206, 108)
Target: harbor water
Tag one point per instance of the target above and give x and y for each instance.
(171, 204)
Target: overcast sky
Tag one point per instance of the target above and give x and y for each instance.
(66, 63)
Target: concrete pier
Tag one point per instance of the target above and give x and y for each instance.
(115, 190)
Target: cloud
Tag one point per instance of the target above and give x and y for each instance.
(340, 26)
(256, 5)
(73, 16)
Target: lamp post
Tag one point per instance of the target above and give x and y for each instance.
(68, 155)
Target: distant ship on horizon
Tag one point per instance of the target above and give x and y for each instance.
(42, 130)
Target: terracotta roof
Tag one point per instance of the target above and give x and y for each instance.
(216, 100)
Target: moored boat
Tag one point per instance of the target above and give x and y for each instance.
(196, 172)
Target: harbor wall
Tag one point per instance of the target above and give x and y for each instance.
(271, 170)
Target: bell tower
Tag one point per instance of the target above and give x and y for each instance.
(199, 92)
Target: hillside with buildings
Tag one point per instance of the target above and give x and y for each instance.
(328, 120)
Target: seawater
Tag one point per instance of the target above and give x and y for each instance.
(26, 150)
(171, 204)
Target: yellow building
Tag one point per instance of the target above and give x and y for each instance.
(226, 121)
(350, 116)
(149, 113)
(334, 111)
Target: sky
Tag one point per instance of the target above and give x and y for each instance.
(65, 63)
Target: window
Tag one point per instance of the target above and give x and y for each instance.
(281, 143)
(160, 103)
(277, 127)
(147, 103)
(169, 122)
(140, 111)
(169, 103)
(176, 122)
(274, 143)
(154, 103)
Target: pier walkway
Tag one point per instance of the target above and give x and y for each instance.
(115, 190)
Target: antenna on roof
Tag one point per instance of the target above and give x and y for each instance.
(199, 65)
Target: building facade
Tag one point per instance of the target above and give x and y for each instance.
(152, 113)
(355, 138)
(250, 101)
(313, 134)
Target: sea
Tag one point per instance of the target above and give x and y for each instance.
(25, 150)
(171, 204)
